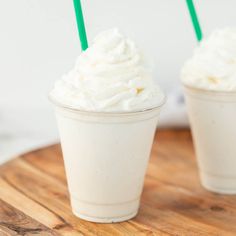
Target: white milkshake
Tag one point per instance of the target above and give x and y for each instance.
(209, 78)
(107, 109)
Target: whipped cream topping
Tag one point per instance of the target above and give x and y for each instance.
(109, 76)
(213, 65)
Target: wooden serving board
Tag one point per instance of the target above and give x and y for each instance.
(34, 198)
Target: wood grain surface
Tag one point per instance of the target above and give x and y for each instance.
(35, 201)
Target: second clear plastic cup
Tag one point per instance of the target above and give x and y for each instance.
(212, 118)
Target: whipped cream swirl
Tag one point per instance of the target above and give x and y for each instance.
(109, 76)
(213, 65)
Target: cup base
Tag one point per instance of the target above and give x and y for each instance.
(105, 213)
(218, 184)
(106, 219)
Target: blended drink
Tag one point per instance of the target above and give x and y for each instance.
(209, 79)
(107, 109)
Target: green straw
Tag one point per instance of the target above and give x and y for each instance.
(194, 18)
(80, 24)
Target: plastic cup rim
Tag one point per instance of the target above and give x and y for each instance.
(206, 91)
(106, 113)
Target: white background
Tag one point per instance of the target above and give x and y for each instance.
(38, 43)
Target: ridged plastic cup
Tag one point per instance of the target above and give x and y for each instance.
(213, 123)
(105, 156)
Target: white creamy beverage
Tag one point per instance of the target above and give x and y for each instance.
(107, 109)
(209, 78)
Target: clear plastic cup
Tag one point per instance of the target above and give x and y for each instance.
(213, 123)
(105, 156)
